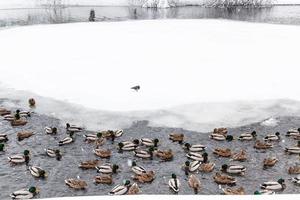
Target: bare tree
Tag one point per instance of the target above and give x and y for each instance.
(244, 3)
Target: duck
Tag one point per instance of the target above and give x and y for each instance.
(262, 145)
(274, 186)
(121, 189)
(137, 169)
(293, 150)
(66, 140)
(270, 162)
(102, 153)
(164, 155)
(194, 148)
(296, 180)
(144, 154)
(53, 153)
(89, 138)
(149, 142)
(9, 117)
(207, 167)
(25, 193)
(220, 137)
(73, 128)
(76, 183)
(128, 145)
(247, 136)
(222, 152)
(176, 137)
(3, 138)
(264, 192)
(233, 169)
(118, 133)
(103, 179)
(146, 177)
(197, 156)
(293, 132)
(23, 135)
(18, 122)
(37, 172)
(2, 147)
(133, 189)
(51, 130)
(221, 131)
(108, 134)
(191, 166)
(107, 168)
(4, 111)
(174, 183)
(194, 183)
(224, 179)
(294, 170)
(272, 137)
(234, 191)
(89, 164)
(31, 102)
(19, 159)
(25, 113)
(239, 156)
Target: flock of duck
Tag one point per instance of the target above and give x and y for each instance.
(148, 148)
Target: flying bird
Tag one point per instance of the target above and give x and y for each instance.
(136, 88)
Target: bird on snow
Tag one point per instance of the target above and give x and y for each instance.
(136, 88)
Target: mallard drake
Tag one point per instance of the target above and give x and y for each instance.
(296, 180)
(107, 168)
(4, 111)
(102, 153)
(149, 142)
(146, 177)
(89, 164)
(270, 162)
(1, 147)
(191, 166)
(103, 179)
(234, 191)
(272, 185)
(3, 138)
(293, 150)
(73, 128)
(18, 122)
(37, 172)
(19, 159)
(118, 133)
(264, 192)
(53, 153)
(23, 135)
(31, 102)
(174, 183)
(233, 169)
(76, 183)
(25, 113)
(272, 137)
(137, 169)
(89, 138)
(25, 193)
(9, 117)
(51, 130)
(176, 137)
(144, 154)
(164, 155)
(247, 136)
(66, 140)
(207, 167)
(222, 152)
(220, 137)
(294, 170)
(121, 189)
(239, 156)
(197, 156)
(293, 132)
(194, 183)
(194, 148)
(222, 131)
(128, 145)
(262, 145)
(133, 189)
(224, 179)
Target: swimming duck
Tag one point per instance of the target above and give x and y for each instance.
(234, 191)
(194, 148)
(18, 122)
(194, 183)
(293, 132)
(133, 189)
(128, 145)
(149, 142)
(51, 130)
(270, 162)
(89, 138)
(262, 145)
(222, 152)
(293, 150)
(264, 192)
(164, 155)
(25, 193)
(224, 179)
(89, 164)
(3, 138)
(239, 156)
(54, 153)
(118, 133)
(31, 102)
(191, 166)
(137, 169)
(174, 183)
(272, 137)
(247, 136)
(1, 147)
(66, 140)
(103, 179)
(19, 159)
(23, 135)
(221, 131)
(296, 180)
(73, 128)
(294, 170)
(144, 177)
(272, 185)
(207, 167)
(220, 137)
(107, 168)
(37, 172)
(234, 169)
(107, 134)
(198, 157)
(176, 137)
(102, 153)
(121, 189)
(144, 154)
(76, 183)
(9, 117)
(4, 111)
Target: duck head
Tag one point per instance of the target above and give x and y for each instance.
(155, 141)
(115, 168)
(257, 192)
(133, 163)
(126, 182)
(281, 181)
(277, 134)
(254, 133)
(99, 135)
(54, 130)
(136, 141)
(229, 138)
(174, 176)
(43, 174)
(224, 167)
(26, 152)
(121, 145)
(33, 190)
(187, 146)
(68, 125)
(298, 144)
(187, 163)
(1, 147)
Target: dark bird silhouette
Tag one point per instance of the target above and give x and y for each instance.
(136, 88)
